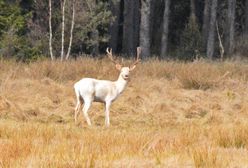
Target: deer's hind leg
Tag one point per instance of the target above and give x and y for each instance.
(78, 106)
(87, 104)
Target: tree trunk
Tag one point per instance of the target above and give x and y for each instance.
(95, 38)
(229, 44)
(145, 28)
(211, 36)
(246, 17)
(50, 30)
(128, 31)
(192, 9)
(63, 30)
(222, 50)
(72, 27)
(164, 40)
(114, 28)
(136, 24)
(206, 19)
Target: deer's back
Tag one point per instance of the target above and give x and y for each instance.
(98, 89)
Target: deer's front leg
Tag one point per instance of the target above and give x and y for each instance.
(107, 106)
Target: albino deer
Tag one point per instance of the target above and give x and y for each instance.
(90, 90)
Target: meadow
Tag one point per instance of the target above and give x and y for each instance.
(172, 114)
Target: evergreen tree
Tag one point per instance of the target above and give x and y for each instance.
(191, 40)
(13, 29)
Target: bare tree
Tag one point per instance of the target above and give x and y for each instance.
(211, 35)
(164, 40)
(50, 30)
(222, 50)
(229, 43)
(206, 19)
(128, 31)
(63, 30)
(145, 28)
(246, 17)
(114, 27)
(95, 43)
(130, 26)
(192, 9)
(136, 24)
(94, 33)
(72, 28)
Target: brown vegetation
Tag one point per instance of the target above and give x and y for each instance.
(172, 114)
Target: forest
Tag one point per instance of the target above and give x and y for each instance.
(165, 29)
(184, 104)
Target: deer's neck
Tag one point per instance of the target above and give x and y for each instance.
(120, 84)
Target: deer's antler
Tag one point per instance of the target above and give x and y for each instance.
(110, 55)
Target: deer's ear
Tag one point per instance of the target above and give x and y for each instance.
(118, 66)
(132, 67)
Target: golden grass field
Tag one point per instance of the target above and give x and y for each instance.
(172, 114)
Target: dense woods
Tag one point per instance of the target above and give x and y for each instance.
(165, 29)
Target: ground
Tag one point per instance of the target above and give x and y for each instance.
(172, 114)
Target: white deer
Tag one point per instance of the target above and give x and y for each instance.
(90, 90)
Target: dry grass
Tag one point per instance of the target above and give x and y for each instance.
(172, 114)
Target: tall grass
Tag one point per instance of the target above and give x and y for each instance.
(172, 114)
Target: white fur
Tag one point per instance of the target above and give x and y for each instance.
(90, 90)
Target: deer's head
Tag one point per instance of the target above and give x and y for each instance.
(124, 70)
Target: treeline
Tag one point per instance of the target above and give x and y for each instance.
(30, 29)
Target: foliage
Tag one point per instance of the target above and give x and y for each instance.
(11, 17)
(24, 28)
(97, 17)
(24, 31)
(241, 45)
(191, 40)
(12, 32)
